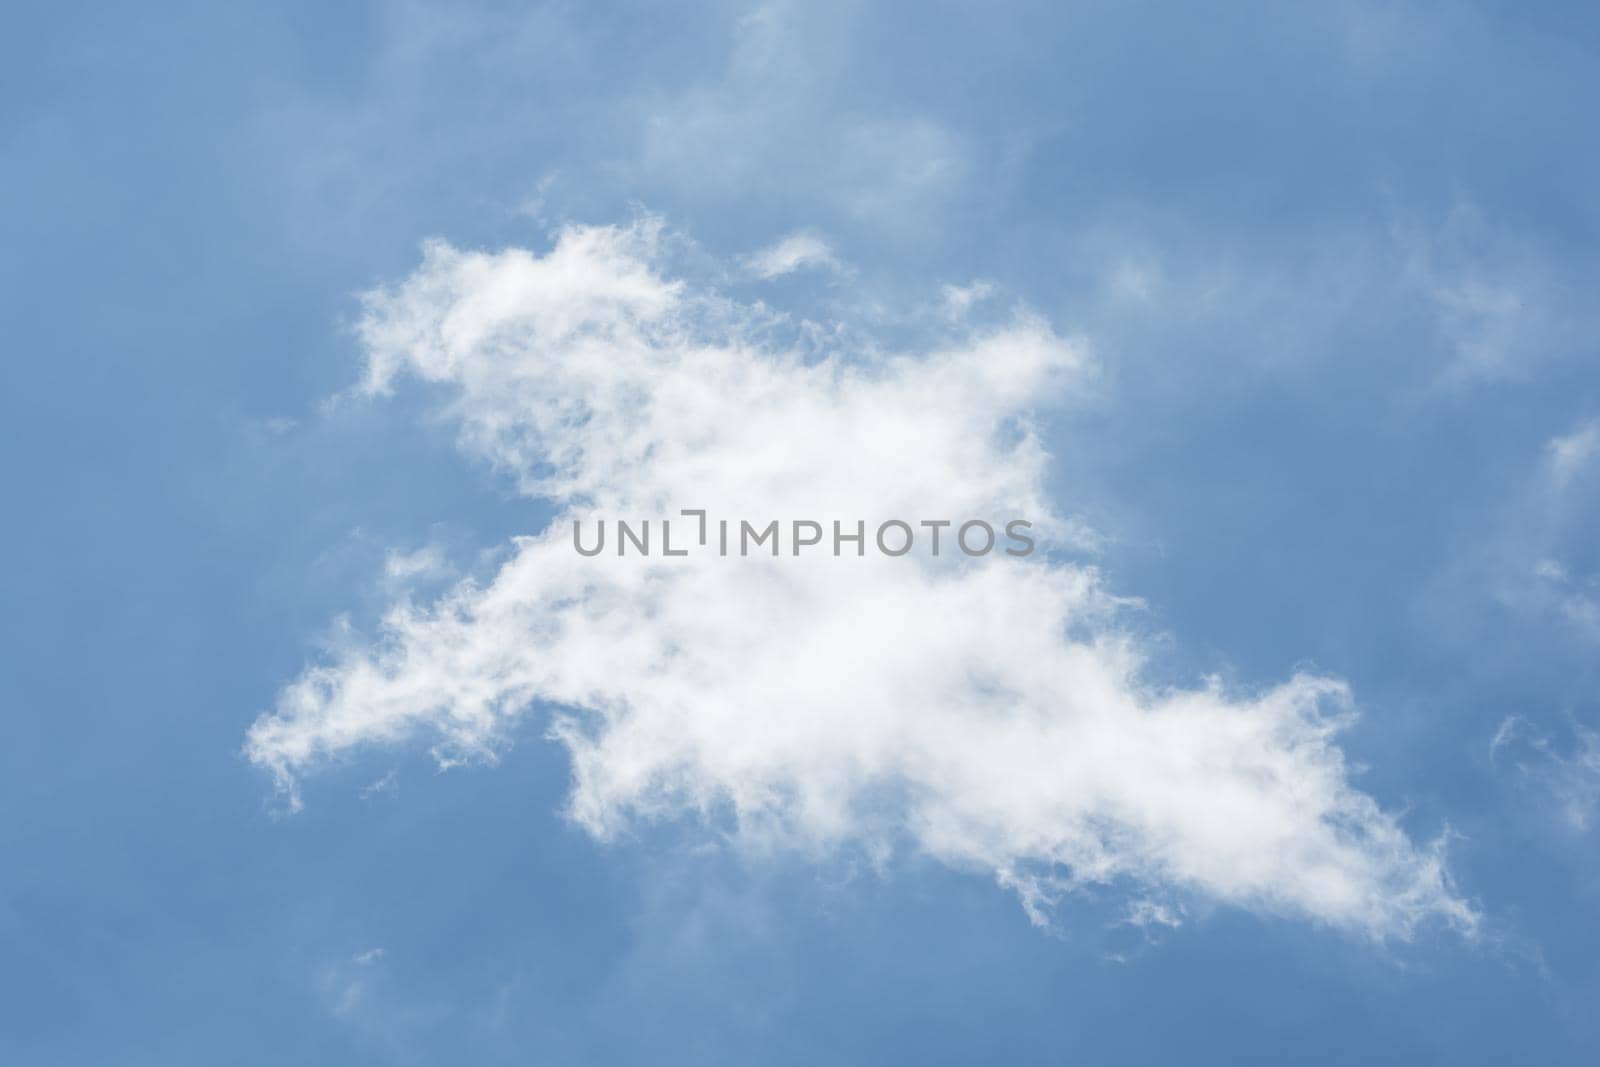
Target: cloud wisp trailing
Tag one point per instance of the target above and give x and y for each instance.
(989, 712)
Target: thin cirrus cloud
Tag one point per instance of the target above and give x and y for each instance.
(991, 712)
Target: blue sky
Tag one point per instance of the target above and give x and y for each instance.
(1322, 280)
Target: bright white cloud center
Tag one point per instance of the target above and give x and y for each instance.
(988, 712)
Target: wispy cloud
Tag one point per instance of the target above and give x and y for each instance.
(1572, 453)
(990, 713)
(1492, 297)
(773, 108)
(798, 251)
(404, 566)
(1569, 775)
(346, 985)
(1569, 511)
(1535, 554)
(1564, 507)
(388, 785)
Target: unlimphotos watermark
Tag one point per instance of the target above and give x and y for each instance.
(741, 537)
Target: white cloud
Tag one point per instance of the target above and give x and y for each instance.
(797, 251)
(988, 712)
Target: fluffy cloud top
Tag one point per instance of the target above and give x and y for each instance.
(989, 712)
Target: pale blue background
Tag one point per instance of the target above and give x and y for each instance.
(192, 195)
